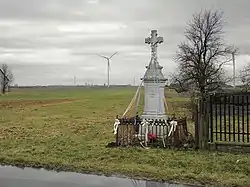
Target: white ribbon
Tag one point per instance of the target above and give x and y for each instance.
(173, 127)
(116, 124)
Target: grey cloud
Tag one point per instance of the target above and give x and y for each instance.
(131, 36)
(77, 9)
(43, 44)
(244, 48)
(35, 9)
(19, 43)
(147, 10)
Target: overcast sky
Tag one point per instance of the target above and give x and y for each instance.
(51, 41)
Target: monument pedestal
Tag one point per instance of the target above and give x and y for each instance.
(154, 100)
(154, 87)
(154, 83)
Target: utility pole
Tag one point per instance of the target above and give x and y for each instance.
(74, 80)
(234, 69)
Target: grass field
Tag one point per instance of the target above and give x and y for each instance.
(68, 129)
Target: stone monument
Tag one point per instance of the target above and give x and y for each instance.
(154, 83)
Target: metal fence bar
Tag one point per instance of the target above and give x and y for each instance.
(238, 114)
(234, 138)
(225, 117)
(220, 121)
(216, 121)
(211, 119)
(243, 117)
(248, 133)
(229, 117)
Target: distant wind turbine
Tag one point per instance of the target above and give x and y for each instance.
(108, 59)
(74, 80)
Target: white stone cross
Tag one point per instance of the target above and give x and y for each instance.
(153, 41)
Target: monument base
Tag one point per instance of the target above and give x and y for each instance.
(154, 116)
(160, 130)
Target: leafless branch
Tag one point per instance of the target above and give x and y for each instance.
(6, 77)
(204, 53)
(244, 76)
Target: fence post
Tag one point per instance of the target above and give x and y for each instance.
(200, 123)
(196, 126)
(203, 125)
(206, 125)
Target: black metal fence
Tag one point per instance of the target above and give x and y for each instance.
(160, 133)
(229, 117)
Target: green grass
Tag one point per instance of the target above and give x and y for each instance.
(69, 129)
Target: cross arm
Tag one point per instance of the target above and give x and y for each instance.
(160, 39)
(148, 40)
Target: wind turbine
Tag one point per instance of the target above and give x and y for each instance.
(108, 59)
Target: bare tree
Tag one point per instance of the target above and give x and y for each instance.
(201, 57)
(244, 76)
(6, 78)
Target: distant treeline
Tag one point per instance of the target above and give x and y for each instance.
(70, 86)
